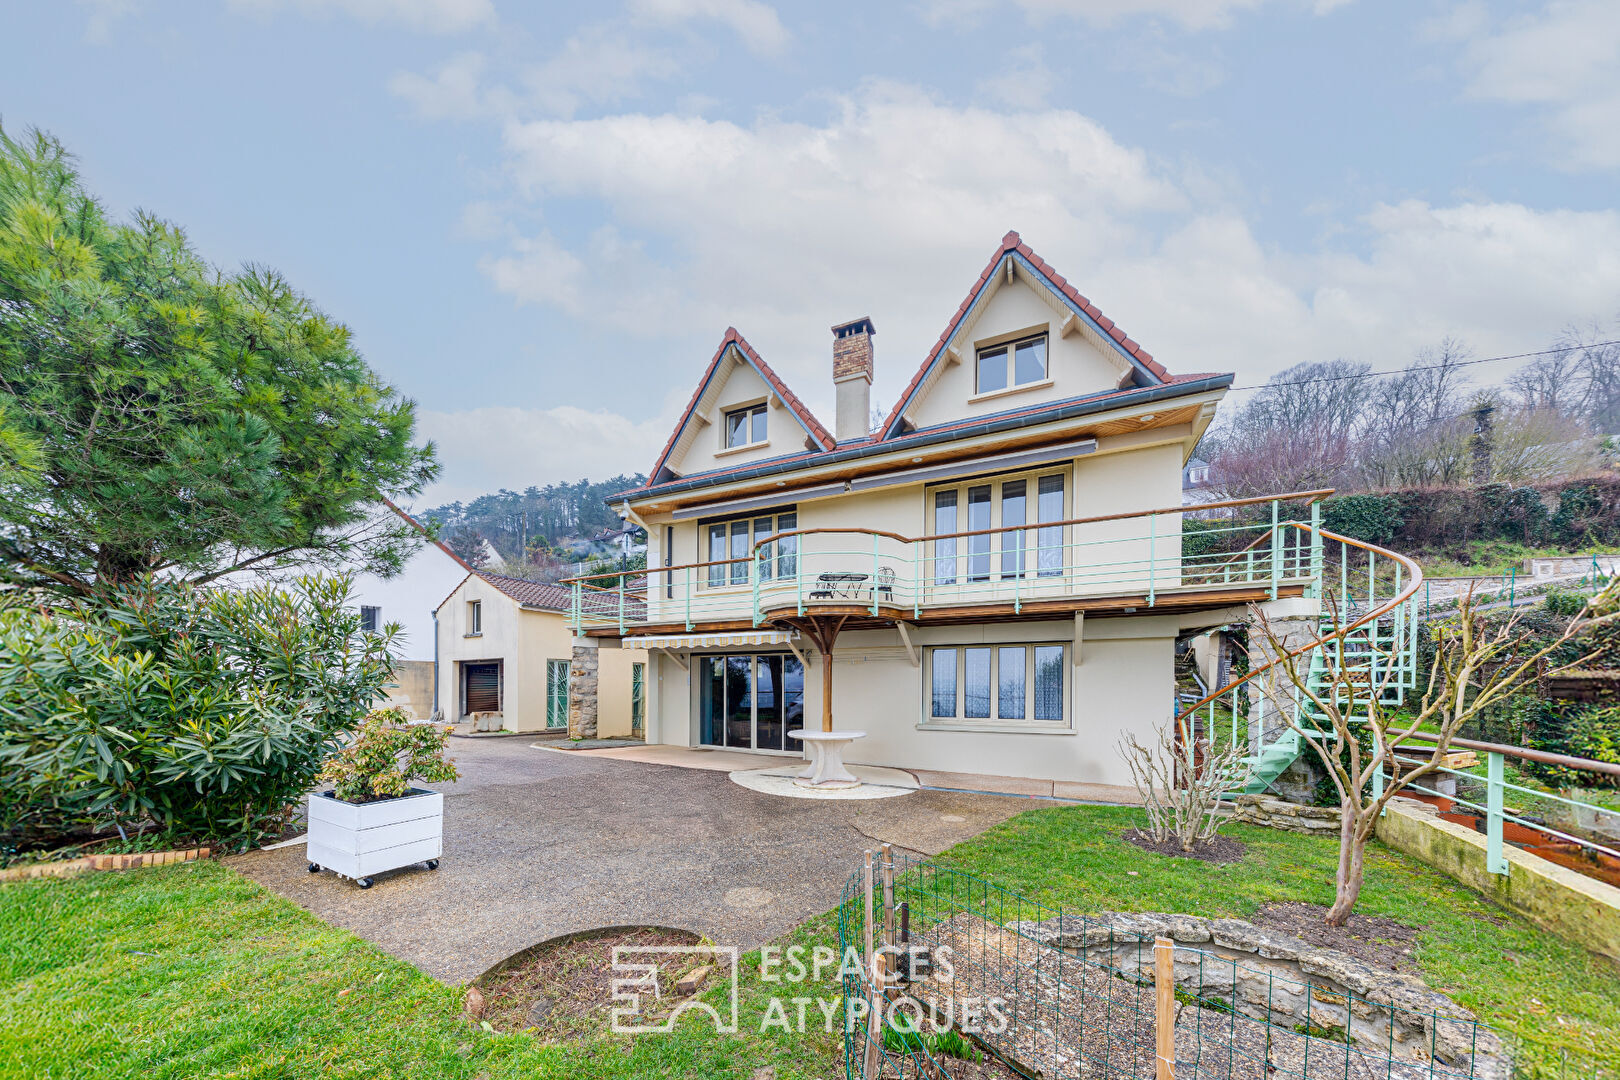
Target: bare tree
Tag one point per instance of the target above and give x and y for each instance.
(1297, 432)
(1181, 781)
(1410, 432)
(1474, 667)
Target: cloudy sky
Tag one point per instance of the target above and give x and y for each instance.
(540, 219)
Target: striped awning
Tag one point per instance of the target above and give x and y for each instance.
(711, 641)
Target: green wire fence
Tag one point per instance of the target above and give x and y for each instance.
(1057, 995)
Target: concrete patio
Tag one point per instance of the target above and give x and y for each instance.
(540, 843)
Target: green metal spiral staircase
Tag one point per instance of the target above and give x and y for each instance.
(1365, 644)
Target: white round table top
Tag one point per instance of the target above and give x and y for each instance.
(826, 736)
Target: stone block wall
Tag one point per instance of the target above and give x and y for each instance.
(1286, 983)
(1282, 814)
(582, 684)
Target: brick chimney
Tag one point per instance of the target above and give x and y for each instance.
(852, 379)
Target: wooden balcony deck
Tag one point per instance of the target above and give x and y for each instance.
(860, 617)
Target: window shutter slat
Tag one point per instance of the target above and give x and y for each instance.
(483, 688)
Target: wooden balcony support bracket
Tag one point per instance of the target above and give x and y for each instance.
(905, 639)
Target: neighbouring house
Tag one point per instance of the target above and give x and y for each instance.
(1195, 486)
(624, 540)
(992, 582)
(409, 598)
(507, 661)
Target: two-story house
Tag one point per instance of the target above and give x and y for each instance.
(992, 582)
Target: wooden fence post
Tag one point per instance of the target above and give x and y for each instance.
(1164, 1026)
(871, 1057)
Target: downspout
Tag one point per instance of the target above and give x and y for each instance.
(435, 710)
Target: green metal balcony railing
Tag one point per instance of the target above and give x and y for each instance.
(1148, 554)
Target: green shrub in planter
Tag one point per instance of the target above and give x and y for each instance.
(205, 713)
(387, 754)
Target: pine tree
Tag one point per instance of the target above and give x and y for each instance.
(157, 415)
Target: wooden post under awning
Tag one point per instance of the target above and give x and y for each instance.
(823, 633)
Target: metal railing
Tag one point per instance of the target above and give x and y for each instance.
(1055, 994)
(1141, 554)
(1361, 639)
(1465, 787)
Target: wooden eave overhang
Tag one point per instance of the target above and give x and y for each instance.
(1188, 403)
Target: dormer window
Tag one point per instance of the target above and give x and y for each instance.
(1013, 364)
(745, 427)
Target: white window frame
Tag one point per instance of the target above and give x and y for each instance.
(782, 561)
(374, 617)
(760, 410)
(1027, 723)
(1006, 559)
(1009, 353)
(475, 618)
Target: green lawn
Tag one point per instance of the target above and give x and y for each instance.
(1478, 558)
(193, 971)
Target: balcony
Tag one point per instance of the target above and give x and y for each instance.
(1158, 559)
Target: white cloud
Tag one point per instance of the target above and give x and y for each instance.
(104, 14)
(454, 92)
(784, 228)
(890, 206)
(428, 16)
(1564, 58)
(599, 65)
(755, 22)
(483, 450)
(1191, 14)
(1023, 80)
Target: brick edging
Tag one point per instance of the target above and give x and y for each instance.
(130, 860)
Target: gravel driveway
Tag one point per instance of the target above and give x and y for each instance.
(539, 843)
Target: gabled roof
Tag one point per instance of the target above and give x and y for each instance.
(542, 596)
(818, 434)
(417, 525)
(1149, 371)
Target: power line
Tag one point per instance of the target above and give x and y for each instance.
(1427, 367)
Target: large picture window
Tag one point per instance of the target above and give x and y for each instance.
(735, 538)
(750, 702)
(1017, 684)
(1000, 515)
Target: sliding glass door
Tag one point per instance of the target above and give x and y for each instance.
(750, 702)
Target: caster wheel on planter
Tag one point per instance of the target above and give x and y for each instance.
(433, 864)
(314, 868)
(364, 883)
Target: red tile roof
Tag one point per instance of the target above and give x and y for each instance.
(547, 597)
(1009, 243)
(819, 434)
(812, 457)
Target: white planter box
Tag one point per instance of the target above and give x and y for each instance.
(357, 840)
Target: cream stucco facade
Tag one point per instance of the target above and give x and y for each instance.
(526, 641)
(997, 574)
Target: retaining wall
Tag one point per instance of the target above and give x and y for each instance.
(1571, 905)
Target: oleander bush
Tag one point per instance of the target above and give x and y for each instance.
(206, 714)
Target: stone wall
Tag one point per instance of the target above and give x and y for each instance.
(582, 685)
(1284, 982)
(1281, 814)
